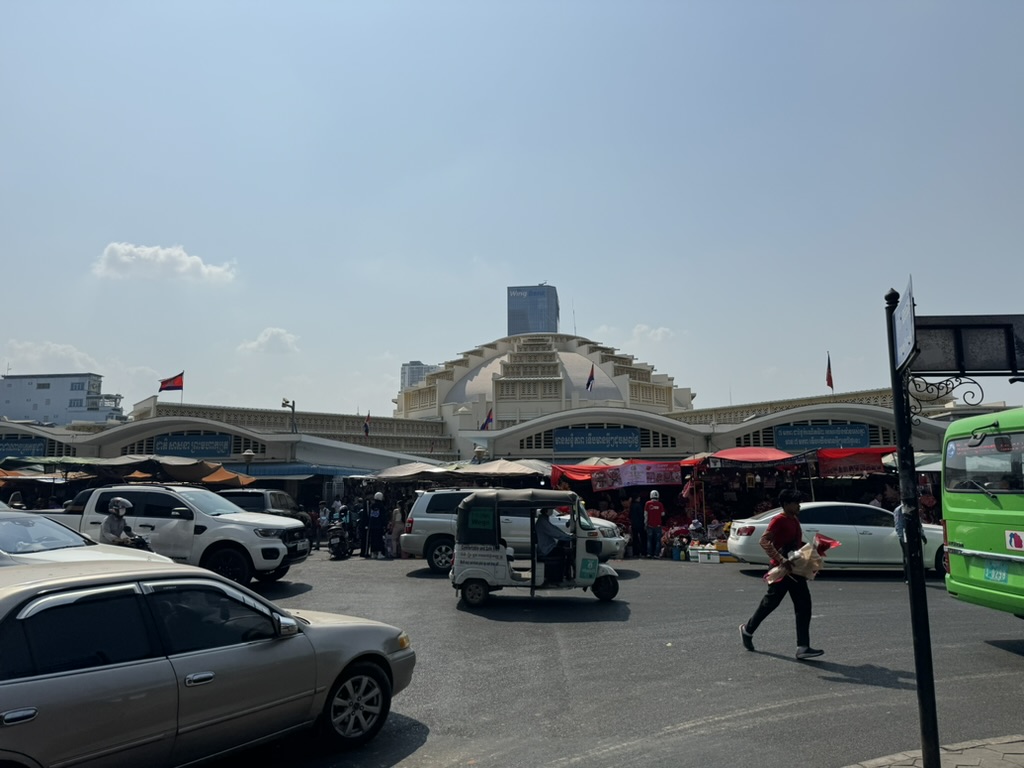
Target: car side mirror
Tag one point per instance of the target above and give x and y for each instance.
(286, 626)
(183, 513)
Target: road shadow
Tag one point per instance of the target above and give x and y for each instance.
(398, 740)
(425, 573)
(1011, 646)
(625, 574)
(569, 607)
(852, 576)
(863, 674)
(279, 590)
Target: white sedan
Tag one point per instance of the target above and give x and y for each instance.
(867, 536)
(26, 538)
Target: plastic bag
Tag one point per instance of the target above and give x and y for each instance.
(806, 561)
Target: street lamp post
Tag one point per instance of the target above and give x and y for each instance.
(286, 403)
(248, 454)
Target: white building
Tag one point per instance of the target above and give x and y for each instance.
(59, 398)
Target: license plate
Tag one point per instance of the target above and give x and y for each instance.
(303, 545)
(997, 571)
(335, 541)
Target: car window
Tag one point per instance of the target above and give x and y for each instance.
(831, 515)
(30, 533)
(208, 502)
(253, 502)
(283, 501)
(200, 617)
(63, 632)
(873, 516)
(444, 503)
(137, 499)
(158, 505)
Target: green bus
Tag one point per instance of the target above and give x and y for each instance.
(983, 510)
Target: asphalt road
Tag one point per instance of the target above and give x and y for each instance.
(658, 676)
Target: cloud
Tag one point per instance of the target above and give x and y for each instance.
(274, 341)
(48, 357)
(124, 260)
(642, 333)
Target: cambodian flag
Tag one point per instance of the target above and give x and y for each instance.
(590, 378)
(173, 383)
(489, 420)
(366, 425)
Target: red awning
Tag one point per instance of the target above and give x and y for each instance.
(833, 462)
(766, 455)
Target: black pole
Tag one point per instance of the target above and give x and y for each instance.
(925, 674)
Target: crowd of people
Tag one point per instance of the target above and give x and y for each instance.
(373, 524)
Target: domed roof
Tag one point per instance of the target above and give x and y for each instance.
(575, 372)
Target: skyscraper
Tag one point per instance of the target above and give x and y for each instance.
(532, 309)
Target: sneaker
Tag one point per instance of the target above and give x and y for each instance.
(746, 637)
(806, 652)
(381, 556)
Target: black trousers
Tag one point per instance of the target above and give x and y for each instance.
(796, 588)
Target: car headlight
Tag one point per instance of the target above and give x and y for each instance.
(404, 641)
(269, 533)
(609, 533)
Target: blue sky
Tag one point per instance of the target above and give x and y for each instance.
(292, 199)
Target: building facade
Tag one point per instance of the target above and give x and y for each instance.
(414, 372)
(58, 399)
(532, 309)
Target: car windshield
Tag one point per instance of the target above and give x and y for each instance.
(250, 501)
(208, 502)
(32, 533)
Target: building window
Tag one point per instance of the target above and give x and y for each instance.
(77, 386)
(43, 385)
(75, 403)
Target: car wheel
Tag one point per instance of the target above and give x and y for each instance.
(439, 555)
(940, 562)
(475, 592)
(357, 706)
(268, 577)
(606, 588)
(229, 563)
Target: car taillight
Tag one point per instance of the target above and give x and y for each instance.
(408, 524)
(744, 530)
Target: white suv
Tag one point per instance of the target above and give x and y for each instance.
(430, 529)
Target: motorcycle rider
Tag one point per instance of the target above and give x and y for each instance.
(113, 530)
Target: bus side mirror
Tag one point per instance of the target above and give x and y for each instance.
(1004, 444)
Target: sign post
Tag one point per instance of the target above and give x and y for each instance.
(900, 326)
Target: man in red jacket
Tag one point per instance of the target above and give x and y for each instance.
(654, 513)
(784, 536)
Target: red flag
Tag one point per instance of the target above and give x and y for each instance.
(366, 425)
(590, 379)
(828, 374)
(488, 421)
(173, 383)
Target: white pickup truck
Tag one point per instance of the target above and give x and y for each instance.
(196, 526)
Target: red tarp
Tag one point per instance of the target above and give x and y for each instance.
(632, 472)
(833, 462)
(767, 455)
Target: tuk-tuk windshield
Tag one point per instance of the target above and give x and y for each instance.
(585, 522)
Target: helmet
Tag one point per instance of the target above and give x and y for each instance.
(120, 506)
(655, 495)
(343, 508)
(378, 496)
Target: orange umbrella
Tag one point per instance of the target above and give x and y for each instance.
(221, 476)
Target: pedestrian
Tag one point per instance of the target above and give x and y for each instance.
(900, 523)
(784, 536)
(375, 525)
(359, 521)
(654, 514)
(397, 528)
(320, 523)
(636, 527)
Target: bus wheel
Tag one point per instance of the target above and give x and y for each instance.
(474, 592)
(605, 588)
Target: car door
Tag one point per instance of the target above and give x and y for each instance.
(237, 680)
(83, 679)
(515, 528)
(831, 520)
(876, 530)
(167, 522)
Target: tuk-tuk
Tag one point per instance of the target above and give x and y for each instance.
(482, 563)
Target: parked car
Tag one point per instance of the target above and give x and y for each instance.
(430, 529)
(268, 500)
(867, 536)
(27, 538)
(174, 664)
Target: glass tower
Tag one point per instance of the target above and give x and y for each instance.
(532, 309)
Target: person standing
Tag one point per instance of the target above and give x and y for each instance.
(654, 514)
(636, 527)
(375, 526)
(784, 536)
(900, 523)
(320, 523)
(397, 526)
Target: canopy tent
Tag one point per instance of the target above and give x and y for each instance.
(837, 462)
(629, 473)
(498, 468)
(228, 479)
(923, 462)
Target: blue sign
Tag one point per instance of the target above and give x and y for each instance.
(597, 440)
(193, 446)
(796, 439)
(35, 446)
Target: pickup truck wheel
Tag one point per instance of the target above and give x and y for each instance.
(439, 555)
(229, 563)
(357, 706)
(268, 577)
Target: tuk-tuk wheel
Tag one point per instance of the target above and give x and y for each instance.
(605, 588)
(475, 592)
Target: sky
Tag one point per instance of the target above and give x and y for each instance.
(290, 200)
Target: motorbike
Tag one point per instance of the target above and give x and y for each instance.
(338, 543)
(135, 541)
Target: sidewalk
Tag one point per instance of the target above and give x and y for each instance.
(1001, 752)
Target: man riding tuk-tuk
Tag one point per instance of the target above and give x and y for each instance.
(565, 556)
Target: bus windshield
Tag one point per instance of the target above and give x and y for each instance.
(980, 463)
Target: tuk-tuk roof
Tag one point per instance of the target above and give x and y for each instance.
(525, 497)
